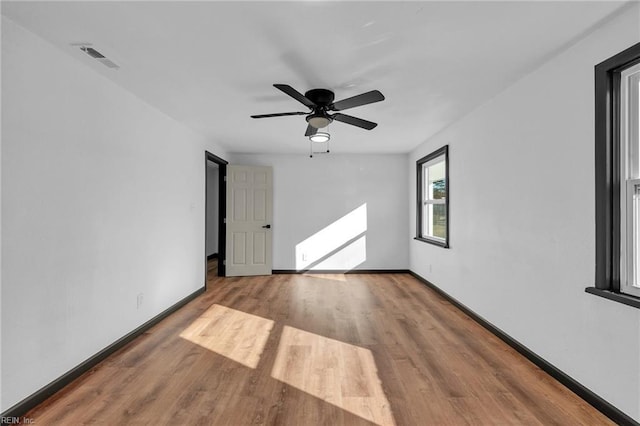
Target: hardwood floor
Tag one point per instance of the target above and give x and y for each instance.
(212, 269)
(317, 350)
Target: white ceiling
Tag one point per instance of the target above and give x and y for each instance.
(210, 65)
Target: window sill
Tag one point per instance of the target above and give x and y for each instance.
(443, 244)
(616, 297)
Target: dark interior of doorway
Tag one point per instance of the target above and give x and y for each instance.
(214, 262)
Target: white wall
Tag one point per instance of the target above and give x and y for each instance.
(522, 220)
(213, 174)
(102, 199)
(311, 194)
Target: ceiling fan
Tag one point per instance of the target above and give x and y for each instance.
(320, 102)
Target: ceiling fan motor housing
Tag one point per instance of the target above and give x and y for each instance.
(320, 97)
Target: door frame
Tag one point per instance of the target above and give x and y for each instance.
(222, 212)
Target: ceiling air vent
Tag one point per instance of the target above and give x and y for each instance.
(97, 55)
(92, 52)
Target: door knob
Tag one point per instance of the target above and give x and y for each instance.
(267, 226)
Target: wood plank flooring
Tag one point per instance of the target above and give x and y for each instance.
(317, 350)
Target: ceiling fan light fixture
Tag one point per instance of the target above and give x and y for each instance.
(320, 137)
(319, 121)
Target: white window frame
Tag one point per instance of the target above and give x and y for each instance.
(428, 200)
(629, 180)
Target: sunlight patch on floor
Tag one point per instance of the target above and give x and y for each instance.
(233, 334)
(331, 277)
(336, 372)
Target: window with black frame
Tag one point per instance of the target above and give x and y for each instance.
(629, 180)
(617, 151)
(433, 198)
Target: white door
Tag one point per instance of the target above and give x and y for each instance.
(249, 214)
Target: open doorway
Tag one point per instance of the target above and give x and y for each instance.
(215, 208)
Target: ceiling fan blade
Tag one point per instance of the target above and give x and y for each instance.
(279, 114)
(362, 99)
(295, 94)
(354, 121)
(310, 130)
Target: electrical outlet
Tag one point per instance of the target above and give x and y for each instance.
(430, 268)
(139, 300)
(304, 257)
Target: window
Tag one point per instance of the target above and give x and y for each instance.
(433, 198)
(617, 154)
(630, 180)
